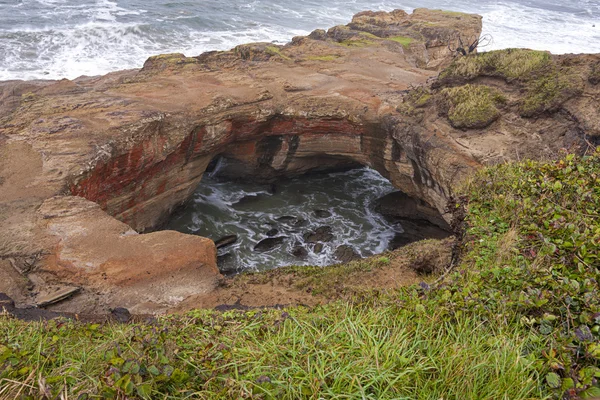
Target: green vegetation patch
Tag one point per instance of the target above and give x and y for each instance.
(275, 51)
(380, 349)
(546, 85)
(356, 42)
(548, 92)
(509, 64)
(517, 318)
(403, 40)
(323, 58)
(472, 106)
(533, 244)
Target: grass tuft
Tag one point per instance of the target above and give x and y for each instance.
(472, 106)
(403, 40)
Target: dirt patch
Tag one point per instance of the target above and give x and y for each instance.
(311, 286)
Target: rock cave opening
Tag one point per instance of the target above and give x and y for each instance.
(321, 217)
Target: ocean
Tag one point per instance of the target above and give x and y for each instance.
(54, 39)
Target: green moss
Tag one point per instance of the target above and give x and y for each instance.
(453, 13)
(275, 51)
(356, 42)
(369, 35)
(548, 92)
(472, 106)
(403, 40)
(545, 84)
(323, 58)
(29, 96)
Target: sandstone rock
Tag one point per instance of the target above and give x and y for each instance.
(398, 205)
(137, 143)
(141, 272)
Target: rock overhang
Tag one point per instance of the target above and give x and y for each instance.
(137, 142)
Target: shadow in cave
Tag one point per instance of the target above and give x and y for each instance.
(335, 211)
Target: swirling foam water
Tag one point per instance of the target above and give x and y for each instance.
(348, 196)
(53, 39)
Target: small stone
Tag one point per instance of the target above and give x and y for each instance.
(226, 241)
(120, 314)
(321, 234)
(300, 252)
(226, 264)
(272, 232)
(269, 244)
(322, 213)
(318, 248)
(346, 253)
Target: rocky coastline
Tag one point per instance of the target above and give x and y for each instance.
(89, 167)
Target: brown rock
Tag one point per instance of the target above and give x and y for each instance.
(140, 272)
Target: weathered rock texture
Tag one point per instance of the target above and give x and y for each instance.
(137, 142)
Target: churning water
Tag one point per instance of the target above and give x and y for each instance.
(340, 203)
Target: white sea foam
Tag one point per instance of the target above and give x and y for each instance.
(66, 38)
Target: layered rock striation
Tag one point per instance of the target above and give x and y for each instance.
(87, 166)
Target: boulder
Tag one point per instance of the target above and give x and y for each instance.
(321, 234)
(345, 253)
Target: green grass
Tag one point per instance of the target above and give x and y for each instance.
(548, 92)
(472, 106)
(403, 40)
(517, 318)
(379, 349)
(509, 64)
(545, 84)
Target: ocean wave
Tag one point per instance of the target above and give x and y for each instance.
(53, 39)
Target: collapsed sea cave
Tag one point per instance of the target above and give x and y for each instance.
(329, 215)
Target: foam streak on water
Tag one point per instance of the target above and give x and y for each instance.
(52, 39)
(347, 196)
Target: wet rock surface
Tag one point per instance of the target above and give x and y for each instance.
(346, 254)
(226, 241)
(322, 213)
(321, 234)
(269, 244)
(299, 252)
